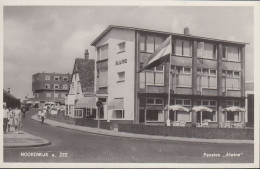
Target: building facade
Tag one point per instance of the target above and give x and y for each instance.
(203, 72)
(250, 104)
(81, 101)
(50, 87)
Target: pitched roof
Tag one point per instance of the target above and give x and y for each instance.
(85, 69)
(110, 27)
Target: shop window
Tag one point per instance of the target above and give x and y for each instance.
(204, 115)
(233, 116)
(154, 116)
(118, 114)
(181, 115)
(121, 47)
(102, 52)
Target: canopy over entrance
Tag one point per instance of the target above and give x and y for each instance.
(86, 102)
(177, 108)
(116, 104)
(233, 109)
(201, 108)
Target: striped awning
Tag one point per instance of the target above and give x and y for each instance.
(86, 102)
(116, 104)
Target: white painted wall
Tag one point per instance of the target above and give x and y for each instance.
(121, 89)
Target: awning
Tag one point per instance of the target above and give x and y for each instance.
(201, 108)
(29, 102)
(116, 104)
(177, 108)
(232, 109)
(86, 102)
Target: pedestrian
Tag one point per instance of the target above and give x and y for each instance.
(43, 115)
(5, 117)
(10, 119)
(23, 112)
(17, 119)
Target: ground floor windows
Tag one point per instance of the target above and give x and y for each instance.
(154, 116)
(118, 114)
(206, 115)
(233, 116)
(78, 113)
(181, 115)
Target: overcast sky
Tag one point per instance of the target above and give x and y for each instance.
(48, 39)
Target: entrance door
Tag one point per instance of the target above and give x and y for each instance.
(141, 116)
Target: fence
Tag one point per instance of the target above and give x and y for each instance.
(192, 132)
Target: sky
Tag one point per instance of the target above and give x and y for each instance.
(49, 38)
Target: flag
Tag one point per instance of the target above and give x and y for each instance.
(159, 55)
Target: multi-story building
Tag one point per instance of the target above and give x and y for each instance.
(203, 71)
(250, 104)
(50, 87)
(81, 100)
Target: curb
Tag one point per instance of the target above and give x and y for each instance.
(157, 139)
(31, 145)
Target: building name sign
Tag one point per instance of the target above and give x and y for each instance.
(119, 62)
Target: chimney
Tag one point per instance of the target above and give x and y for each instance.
(186, 31)
(86, 54)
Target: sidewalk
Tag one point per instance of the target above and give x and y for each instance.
(13, 139)
(137, 136)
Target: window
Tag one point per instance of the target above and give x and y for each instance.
(154, 116)
(230, 80)
(102, 52)
(181, 115)
(65, 78)
(56, 95)
(120, 76)
(155, 76)
(207, 50)
(231, 53)
(154, 101)
(204, 115)
(65, 86)
(47, 77)
(78, 113)
(149, 43)
(56, 78)
(103, 100)
(121, 47)
(118, 114)
(102, 78)
(231, 103)
(88, 112)
(48, 94)
(182, 48)
(47, 86)
(233, 116)
(183, 77)
(207, 78)
(56, 86)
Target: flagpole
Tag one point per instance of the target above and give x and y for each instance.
(169, 91)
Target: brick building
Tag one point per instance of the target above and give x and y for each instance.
(50, 87)
(203, 72)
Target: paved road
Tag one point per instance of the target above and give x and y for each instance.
(73, 146)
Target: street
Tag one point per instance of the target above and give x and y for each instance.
(74, 146)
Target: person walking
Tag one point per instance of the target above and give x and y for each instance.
(43, 115)
(10, 119)
(5, 117)
(17, 119)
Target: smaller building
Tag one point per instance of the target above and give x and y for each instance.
(81, 101)
(50, 87)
